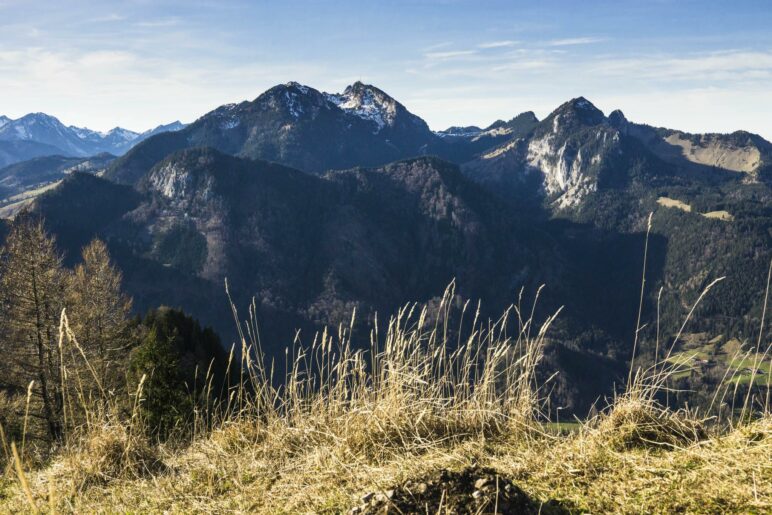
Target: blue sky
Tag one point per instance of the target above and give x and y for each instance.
(694, 65)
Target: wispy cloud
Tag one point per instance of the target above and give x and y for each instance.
(498, 44)
(731, 66)
(451, 54)
(574, 41)
(437, 46)
(109, 18)
(134, 90)
(524, 64)
(152, 24)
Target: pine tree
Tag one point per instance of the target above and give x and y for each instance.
(166, 402)
(31, 299)
(98, 311)
(174, 347)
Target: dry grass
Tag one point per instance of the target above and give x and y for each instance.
(348, 421)
(726, 216)
(237, 469)
(635, 423)
(105, 454)
(670, 202)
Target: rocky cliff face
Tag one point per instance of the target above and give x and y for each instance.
(565, 152)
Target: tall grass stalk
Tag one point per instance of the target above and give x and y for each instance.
(416, 384)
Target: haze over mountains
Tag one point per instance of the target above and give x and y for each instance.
(316, 203)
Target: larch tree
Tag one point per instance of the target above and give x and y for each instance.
(98, 311)
(32, 291)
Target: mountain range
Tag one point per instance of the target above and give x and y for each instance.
(39, 134)
(315, 203)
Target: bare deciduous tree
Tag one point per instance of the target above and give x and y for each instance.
(32, 291)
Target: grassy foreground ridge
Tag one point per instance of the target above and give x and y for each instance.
(377, 430)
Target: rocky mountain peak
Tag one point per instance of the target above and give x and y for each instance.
(294, 98)
(36, 120)
(369, 103)
(577, 111)
(39, 117)
(495, 125)
(617, 119)
(168, 127)
(526, 117)
(119, 133)
(519, 125)
(297, 86)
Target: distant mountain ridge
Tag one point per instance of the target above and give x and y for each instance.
(576, 149)
(17, 177)
(518, 126)
(22, 182)
(44, 134)
(301, 127)
(304, 128)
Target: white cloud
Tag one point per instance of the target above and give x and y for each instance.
(498, 44)
(450, 54)
(437, 46)
(524, 64)
(106, 59)
(102, 89)
(152, 24)
(107, 18)
(574, 41)
(733, 65)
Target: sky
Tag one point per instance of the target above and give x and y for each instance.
(698, 66)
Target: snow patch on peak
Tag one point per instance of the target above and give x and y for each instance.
(22, 132)
(583, 103)
(296, 85)
(227, 116)
(40, 119)
(293, 104)
(84, 133)
(121, 133)
(367, 103)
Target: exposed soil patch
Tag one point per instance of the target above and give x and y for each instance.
(472, 490)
